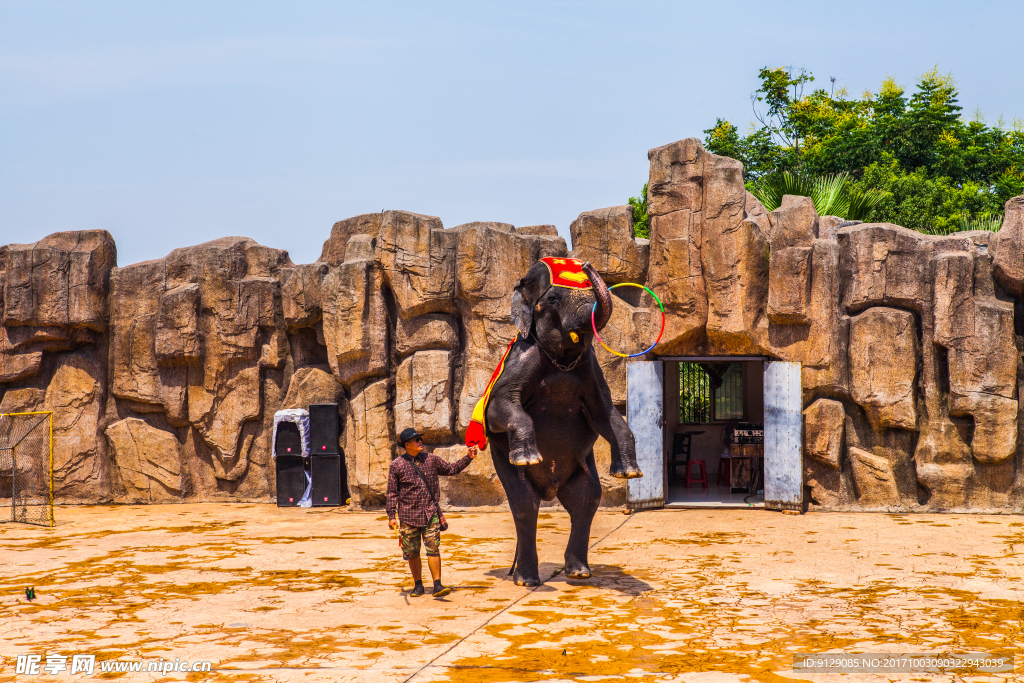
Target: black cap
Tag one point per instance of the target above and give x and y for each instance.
(408, 435)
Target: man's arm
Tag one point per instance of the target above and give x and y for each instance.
(448, 469)
(392, 495)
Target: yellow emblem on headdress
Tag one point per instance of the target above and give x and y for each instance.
(578, 278)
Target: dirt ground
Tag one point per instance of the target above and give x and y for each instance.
(269, 594)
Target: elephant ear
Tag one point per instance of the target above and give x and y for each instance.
(522, 312)
(527, 292)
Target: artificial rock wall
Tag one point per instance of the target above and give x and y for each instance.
(165, 375)
(910, 343)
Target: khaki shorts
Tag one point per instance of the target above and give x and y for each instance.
(409, 539)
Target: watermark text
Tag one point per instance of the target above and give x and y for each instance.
(52, 664)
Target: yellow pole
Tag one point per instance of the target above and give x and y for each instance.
(53, 522)
(14, 484)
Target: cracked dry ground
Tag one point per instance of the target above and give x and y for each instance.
(274, 594)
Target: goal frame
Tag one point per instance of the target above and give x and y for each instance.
(49, 484)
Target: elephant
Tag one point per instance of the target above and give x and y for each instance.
(548, 406)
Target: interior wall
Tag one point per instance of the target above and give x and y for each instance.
(753, 391)
(706, 446)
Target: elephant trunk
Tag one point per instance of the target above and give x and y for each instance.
(603, 296)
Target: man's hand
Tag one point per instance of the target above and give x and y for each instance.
(392, 523)
(472, 452)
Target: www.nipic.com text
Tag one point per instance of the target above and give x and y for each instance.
(53, 664)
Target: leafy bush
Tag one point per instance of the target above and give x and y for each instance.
(913, 161)
(641, 223)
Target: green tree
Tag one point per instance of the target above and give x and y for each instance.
(641, 223)
(937, 171)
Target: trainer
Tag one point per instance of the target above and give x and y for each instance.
(413, 492)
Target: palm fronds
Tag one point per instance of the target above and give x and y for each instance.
(827, 193)
(862, 204)
(832, 194)
(770, 189)
(989, 222)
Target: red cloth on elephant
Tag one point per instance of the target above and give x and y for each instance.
(476, 433)
(567, 272)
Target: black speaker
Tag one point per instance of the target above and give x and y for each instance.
(325, 470)
(323, 429)
(291, 480)
(288, 441)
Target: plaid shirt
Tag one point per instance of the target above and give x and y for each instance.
(406, 494)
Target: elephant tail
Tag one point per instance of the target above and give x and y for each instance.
(515, 558)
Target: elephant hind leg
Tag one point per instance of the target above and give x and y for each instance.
(525, 504)
(580, 496)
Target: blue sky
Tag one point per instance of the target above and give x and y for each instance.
(173, 123)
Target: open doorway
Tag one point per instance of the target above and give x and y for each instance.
(714, 432)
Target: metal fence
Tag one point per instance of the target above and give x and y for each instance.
(694, 393)
(26, 466)
(710, 392)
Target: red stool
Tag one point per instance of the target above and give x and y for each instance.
(702, 477)
(724, 471)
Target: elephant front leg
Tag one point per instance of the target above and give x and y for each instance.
(607, 421)
(623, 448)
(508, 415)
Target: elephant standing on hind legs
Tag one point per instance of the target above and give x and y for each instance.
(546, 405)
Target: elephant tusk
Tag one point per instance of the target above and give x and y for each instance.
(575, 337)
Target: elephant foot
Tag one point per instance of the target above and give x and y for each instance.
(576, 569)
(529, 580)
(523, 458)
(627, 472)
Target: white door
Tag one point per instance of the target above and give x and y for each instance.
(645, 415)
(783, 434)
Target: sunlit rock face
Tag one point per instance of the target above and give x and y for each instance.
(54, 297)
(165, 375)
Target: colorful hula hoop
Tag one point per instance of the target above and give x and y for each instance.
(660, 332)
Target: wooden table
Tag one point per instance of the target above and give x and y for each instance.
(746, 461)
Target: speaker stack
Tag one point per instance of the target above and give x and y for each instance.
(326, 467)
(291, 478)
(323, 429)
(288, 441)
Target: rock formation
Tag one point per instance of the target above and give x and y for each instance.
(165, 375)
(53, 349)
(908, 342)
